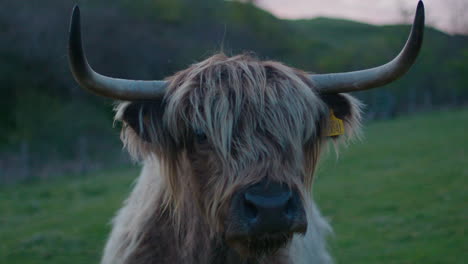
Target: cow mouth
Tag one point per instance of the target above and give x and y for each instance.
(259, 245)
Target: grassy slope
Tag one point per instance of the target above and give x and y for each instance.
(398, 197)
(401, 196)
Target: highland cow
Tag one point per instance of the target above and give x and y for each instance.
(229, 148)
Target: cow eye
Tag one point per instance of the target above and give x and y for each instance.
(200, 136)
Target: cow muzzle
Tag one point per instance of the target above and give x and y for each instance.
(264, 217)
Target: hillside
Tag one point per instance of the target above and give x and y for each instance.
(399, 196)
(49, 124)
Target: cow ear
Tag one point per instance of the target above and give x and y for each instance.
(144, 118)
(346, 108)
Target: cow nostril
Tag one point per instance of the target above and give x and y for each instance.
(290, 210)
(251, 211)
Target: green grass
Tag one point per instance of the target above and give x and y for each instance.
(62, 221)
(400, 196)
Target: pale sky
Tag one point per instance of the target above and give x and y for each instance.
(448, 15)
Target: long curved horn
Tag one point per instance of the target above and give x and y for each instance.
(102, 85)
(378, 76)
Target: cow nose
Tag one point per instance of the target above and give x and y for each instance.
(259, 205)
(269, 208)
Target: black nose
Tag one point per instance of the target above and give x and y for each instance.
(271, 208)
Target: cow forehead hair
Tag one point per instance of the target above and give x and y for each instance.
(237, 100)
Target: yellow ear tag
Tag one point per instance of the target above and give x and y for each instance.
(336, 126)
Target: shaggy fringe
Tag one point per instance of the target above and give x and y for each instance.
(253, 112)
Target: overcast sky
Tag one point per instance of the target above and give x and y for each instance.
(440, 13)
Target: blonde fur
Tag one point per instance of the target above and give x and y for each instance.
(262, 119)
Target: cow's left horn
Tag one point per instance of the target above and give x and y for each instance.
(378, 76)
(102, 85)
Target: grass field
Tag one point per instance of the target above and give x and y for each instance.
(400, 196)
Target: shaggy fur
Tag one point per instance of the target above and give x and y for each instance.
(225, 123)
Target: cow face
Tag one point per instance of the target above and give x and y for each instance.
(240, 138)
